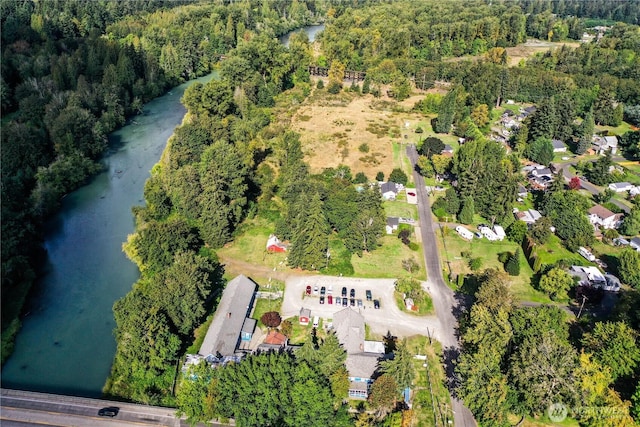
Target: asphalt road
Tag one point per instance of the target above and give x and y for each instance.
(389, 318)
(446, 304)
(590, 187)
(22, 408)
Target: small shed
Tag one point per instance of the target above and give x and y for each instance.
(408, 302)
(305, 316)
(275, 245)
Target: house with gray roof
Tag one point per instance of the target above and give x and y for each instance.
(231, 324)
(362, 356)
(392, 224)
(389, 190)
(558, 146)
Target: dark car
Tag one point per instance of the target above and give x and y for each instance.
(308, 290)
(368, 293)
(110, 411)
(376, 304)
(352, 302)
(322, 300)
(344, 291)
(352, 294)
(345, 302)
(323, 290)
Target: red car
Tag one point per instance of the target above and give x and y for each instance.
(308, 290)
(329, 299)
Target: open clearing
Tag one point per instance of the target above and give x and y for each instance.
(356, 130)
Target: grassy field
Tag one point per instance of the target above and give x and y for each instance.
(553, 251)
(424, 307)
(451, 247)
(385, 262)
(400, 209)
(250, 244)
(429, 378)
(263, 306)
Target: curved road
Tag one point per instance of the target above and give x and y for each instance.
(444, 300)
(25, 408)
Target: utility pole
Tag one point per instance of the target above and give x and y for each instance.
(584, 298)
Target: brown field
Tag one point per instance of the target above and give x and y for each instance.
(334, 129)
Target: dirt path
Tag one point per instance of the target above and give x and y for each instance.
(251, 270)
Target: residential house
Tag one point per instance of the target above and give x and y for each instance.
(392, 224)
(522, 191)
(600, 216)
(362, 356)
(588, 276)
(602, 144)
(389, 190)
(447, 150)
(529, 216)
(558, 146)
(620, 187)
(274, 341)
(305, 316)
(229, 325)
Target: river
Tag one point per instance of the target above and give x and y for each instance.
(66, 344)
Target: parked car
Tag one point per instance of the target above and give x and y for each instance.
(323, 290)
(110, 411)
(352, 294)
(376, 304)
(338, 301)
(322, 300)
(359, 303)
(352, 302)
(329, 299)
(315, 290)
(330, 289)
(368, 293)
(345, 302)
(308, 290)
(344, 291)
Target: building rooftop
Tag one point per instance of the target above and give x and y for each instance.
(362, 365)
(349, 327)
(234, 307)
(601, 212)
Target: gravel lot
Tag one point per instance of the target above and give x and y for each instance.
(387, 318)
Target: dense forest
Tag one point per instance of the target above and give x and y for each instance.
(74, 71)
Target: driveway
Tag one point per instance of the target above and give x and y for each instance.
(593, 189)
(389, 318)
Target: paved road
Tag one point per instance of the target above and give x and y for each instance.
(22, 408)
(389, 318)
(444, 301)
(589, 186)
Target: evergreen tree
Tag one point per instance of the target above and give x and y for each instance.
(446, 113)
(513, 264)
(467, 212)
(452, 201)
(599, 171)
(540, 151)
(400, 368)
(310, 242)
(543, 121)
(586, 133)
(631, 222)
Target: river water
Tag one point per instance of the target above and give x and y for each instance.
(66, 344)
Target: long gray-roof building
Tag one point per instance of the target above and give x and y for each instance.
(223, 336)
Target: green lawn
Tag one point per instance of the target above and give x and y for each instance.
(424, 307)
(553, 251)
(299, 333)
(617, 130)
(250, 244)
(488, 251)
(400, 160)
(264, 306)
(400, 209)
(385, 261)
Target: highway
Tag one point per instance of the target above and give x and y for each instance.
(23, 408)
(444, 300)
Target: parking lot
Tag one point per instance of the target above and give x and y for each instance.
(387, 318)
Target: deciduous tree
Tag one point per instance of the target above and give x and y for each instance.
(556, 283)
(614, 344)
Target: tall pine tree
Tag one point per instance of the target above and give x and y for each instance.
(586, 133)
(310, 238)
